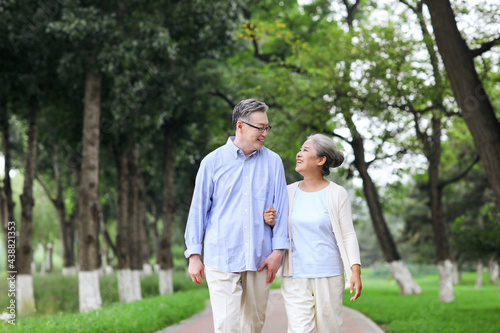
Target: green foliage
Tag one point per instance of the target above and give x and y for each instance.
(477, 241)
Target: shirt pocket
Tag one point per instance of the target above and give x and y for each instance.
(261, 188)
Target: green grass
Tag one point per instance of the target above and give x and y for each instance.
(471, 311)
(148, 315)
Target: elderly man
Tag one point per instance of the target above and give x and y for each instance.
(242, 254)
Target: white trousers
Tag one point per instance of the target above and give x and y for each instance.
(313, 303)
(238, 300)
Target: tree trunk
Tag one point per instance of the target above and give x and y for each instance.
(445, 270)
(402, 275)
(479, 275)
(433, 154)
(74, 217)
(493, 270)
(66, 227)
(154, 227)
(143, 227)
(106, 242)
(498, 264)
(165, 246)
(469, 93)
(88, 217)
(125, 287)
(47, 268)
(134, 221)
(8, 203)
(25, 297)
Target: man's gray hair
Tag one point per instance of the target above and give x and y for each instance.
(243, 110)
(326, 147)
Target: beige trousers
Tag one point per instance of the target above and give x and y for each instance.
(313, 303)
(238, 300)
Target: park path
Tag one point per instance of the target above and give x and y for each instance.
(276, 320)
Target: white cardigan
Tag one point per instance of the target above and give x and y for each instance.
(339, 209)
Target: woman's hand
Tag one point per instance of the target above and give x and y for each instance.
(269, 216)
(356, 281)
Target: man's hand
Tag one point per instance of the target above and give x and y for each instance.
(356, 281)
(272, 262)
(196, 269)
(269, 216)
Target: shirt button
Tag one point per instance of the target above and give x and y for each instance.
(246, 210)
(246, 244)
(245, 227)
(246, 193)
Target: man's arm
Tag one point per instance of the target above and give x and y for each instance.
(197, 221)
(280, 241)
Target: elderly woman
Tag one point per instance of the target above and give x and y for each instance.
(323, 242)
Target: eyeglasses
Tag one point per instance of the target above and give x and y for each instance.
(260, 129)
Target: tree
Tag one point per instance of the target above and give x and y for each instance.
(88, 200)
(307, 49)
(25, 296)
(473, 100)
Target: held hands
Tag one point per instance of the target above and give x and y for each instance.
(269, 216)
(196, 269)
(272, 262)
(356, 281)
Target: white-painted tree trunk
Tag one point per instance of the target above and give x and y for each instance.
(108, 270)
(89, 292)
(25, 299)
(136, 280)
(147, 269)
(445, 270)
(42, 268)
(69, 270)
(457, 274)
(156, 268)
(33, 267)
(166, 281)
(403, 277)
(493, 270)
(128, 284)
(479, 275)
(498, 271)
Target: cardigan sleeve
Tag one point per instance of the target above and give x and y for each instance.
(350, 239)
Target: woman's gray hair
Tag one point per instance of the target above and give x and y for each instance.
(243, 110)
(326, 147)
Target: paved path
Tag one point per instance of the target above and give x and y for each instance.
(276, 320)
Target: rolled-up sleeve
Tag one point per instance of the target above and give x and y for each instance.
(199, 210)
(280, 230)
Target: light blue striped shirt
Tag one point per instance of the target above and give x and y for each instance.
(230, 196)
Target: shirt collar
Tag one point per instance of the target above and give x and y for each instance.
(235, 150)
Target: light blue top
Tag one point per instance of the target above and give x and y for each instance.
(230, 196)
(315, 253)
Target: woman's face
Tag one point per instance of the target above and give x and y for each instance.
(307, 161)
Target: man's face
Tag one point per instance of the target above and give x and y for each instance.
(251, 137)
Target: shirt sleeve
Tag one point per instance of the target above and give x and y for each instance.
(199, 210)
(347, 228)
(280, 230)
